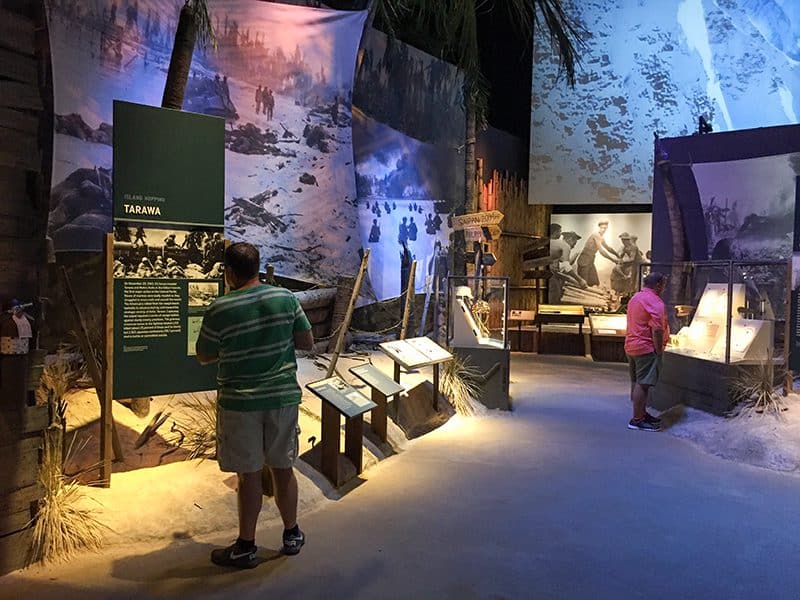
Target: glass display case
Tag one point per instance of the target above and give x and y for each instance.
(477, 312)
(725, 311)
(615, 325)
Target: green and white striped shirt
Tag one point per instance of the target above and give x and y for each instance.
(251, 331)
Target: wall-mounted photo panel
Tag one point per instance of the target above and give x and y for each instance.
(655, 66)
(595, 257)
(403, 202)
(748, 206)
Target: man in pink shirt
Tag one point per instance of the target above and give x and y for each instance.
(648, 334)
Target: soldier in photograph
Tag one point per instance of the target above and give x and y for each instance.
(586, 260)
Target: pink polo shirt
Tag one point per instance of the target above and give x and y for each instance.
(646, 312)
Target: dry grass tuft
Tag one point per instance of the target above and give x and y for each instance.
(753, 390)
(61, 527)
(461, 383)
(199, 430)
(57, 379)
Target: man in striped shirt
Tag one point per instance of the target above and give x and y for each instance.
(251, 333)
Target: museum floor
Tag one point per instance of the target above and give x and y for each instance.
(556, 500)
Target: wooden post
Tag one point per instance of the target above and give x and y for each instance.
(378, 418)
(788, 379)
(436, 387)
(409, 300)
(270, 275)
(329, 462)
(109, 441)
(353, 432)
(348, 316)
(94, 371)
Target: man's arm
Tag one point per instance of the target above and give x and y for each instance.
(207, 346)
(658, 340)
(304, 340)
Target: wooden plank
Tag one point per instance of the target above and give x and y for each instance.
(19, 278)
(14, 550)
(14, 424)
(12, 522)
(19, 149)
(21, 499)
(19, 121)
(17, 33)
(14, 184)
(17, 227)
(20, 249)
(18, 67)
(19, 464)
(20, 95)
(109, 444)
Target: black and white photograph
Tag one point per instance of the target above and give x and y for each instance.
(143, 252)
(748, 206)
(595, 258)
(202, 293)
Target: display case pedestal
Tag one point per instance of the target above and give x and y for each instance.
(496, 364)
(695, 382)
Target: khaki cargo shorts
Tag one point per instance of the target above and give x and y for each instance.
(247, 441)
(644, 369)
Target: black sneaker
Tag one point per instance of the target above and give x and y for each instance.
(643, 425)
(292, 542)
(234, 556)
(652, 419)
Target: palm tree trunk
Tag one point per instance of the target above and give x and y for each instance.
(466, 203)
(181, 60)
(680, 252)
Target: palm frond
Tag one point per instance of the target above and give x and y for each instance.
(566, 36)
(202, 20)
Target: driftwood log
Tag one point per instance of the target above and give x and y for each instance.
(318, 306)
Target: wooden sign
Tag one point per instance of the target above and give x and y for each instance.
(342, 396)
(376, 379)
(415, 352)
(477, 220)
(486, 232)
(521, 315)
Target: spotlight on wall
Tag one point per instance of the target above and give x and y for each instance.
(703, 126)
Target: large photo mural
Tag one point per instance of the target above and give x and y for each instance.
(281, 77)
(596, 257)
(408, 129)
(656, 67)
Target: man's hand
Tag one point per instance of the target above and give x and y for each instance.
(204, 359)
(658, 340)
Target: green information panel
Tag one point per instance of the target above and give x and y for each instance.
(169, 166)
(169, 180)
(342, 396)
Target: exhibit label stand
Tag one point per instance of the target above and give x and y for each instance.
(416, 353)
(339, 399)
(383, 387)
(565, 314)
(519, 317)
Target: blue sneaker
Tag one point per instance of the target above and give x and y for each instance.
(644, 425)
(292, 542)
